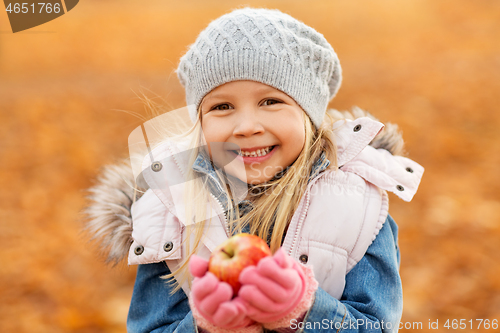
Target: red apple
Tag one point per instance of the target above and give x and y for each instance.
(231, 257)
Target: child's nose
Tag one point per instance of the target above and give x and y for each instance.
(248, 124)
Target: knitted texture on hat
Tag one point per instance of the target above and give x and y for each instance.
(266, 46)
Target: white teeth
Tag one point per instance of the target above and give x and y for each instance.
(258, 152)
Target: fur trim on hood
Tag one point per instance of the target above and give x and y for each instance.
(109, 220)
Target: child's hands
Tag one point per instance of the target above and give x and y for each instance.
(274, 288)
(212, 299)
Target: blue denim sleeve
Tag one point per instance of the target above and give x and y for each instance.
(153, 309)
(373, 297)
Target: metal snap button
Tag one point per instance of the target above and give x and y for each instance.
(400, 188)
(357, 128)
(410, 170)
(139, 250)
(156, 166)
(303, 259)
(168, 246)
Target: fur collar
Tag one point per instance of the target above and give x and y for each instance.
(108, 217)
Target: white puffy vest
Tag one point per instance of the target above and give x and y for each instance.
(337, 219)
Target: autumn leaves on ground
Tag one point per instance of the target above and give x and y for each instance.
(432, 67)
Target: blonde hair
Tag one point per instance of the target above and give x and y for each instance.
(274, 202)
(278, 199)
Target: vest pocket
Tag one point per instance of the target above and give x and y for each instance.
(171, 240)
(329, 264)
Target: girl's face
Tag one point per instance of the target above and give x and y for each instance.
(265, 123)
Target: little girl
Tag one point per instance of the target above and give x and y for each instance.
(257, 84)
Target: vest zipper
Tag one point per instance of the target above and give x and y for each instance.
(216, 183)
(226, 227)
(225, 217)
(299, 224)
(304, 212)
(218, 201)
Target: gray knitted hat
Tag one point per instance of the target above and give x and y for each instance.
(266, 46)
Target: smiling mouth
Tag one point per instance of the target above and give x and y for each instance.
(255, 153)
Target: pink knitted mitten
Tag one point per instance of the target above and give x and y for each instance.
(277, 290)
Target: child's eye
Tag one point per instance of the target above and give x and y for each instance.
(221, 107)
(271, 101)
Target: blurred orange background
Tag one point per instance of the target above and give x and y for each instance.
(432, 67)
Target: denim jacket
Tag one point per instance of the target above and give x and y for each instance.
(371, 300)
(372, 297)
